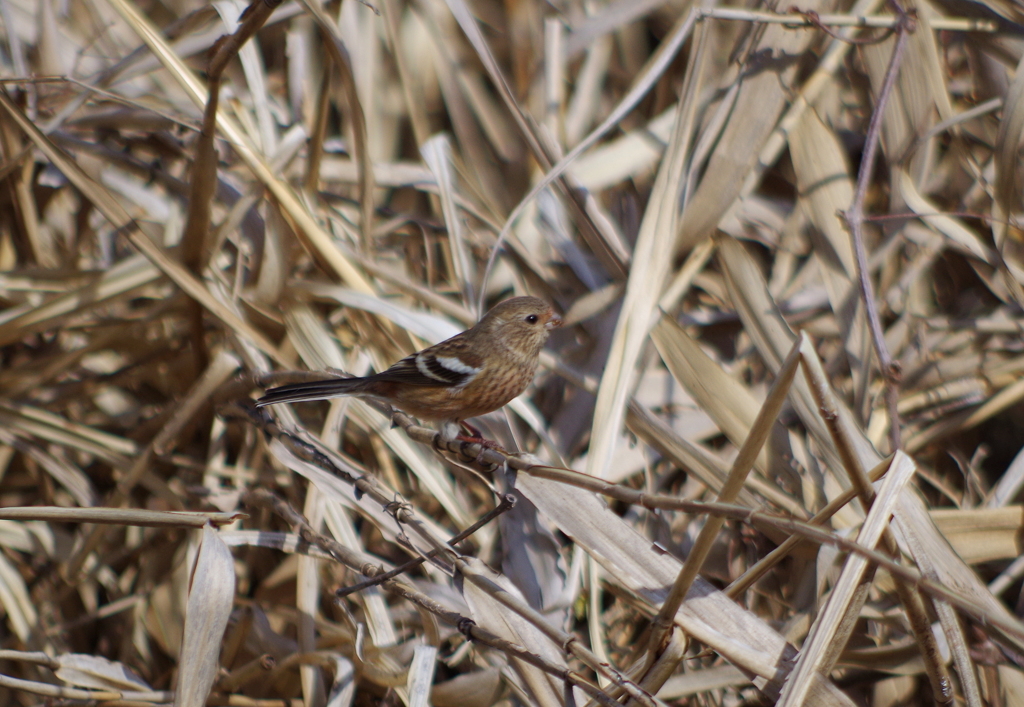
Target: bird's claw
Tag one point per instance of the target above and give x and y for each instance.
(485, 444)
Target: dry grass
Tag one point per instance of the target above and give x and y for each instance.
(708, 425)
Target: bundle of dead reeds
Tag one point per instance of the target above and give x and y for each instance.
(774, 453)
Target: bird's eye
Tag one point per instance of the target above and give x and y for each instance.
(532, 318)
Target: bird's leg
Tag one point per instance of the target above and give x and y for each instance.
(475, 437)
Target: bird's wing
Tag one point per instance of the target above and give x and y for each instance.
(448, 364)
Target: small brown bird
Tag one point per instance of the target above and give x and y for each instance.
(468, 375)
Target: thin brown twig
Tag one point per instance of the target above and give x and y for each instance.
(310, 451)
(855, 220)
(489, 459)
(507, 502)
(359, 562)
(814, 20)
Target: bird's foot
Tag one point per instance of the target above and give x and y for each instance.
(474, 437)
(485, 444)
(482, 441)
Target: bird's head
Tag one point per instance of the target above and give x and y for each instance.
(522, 324)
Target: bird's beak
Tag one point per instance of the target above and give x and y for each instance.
(553, 322)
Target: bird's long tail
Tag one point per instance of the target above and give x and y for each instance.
(313, 390)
